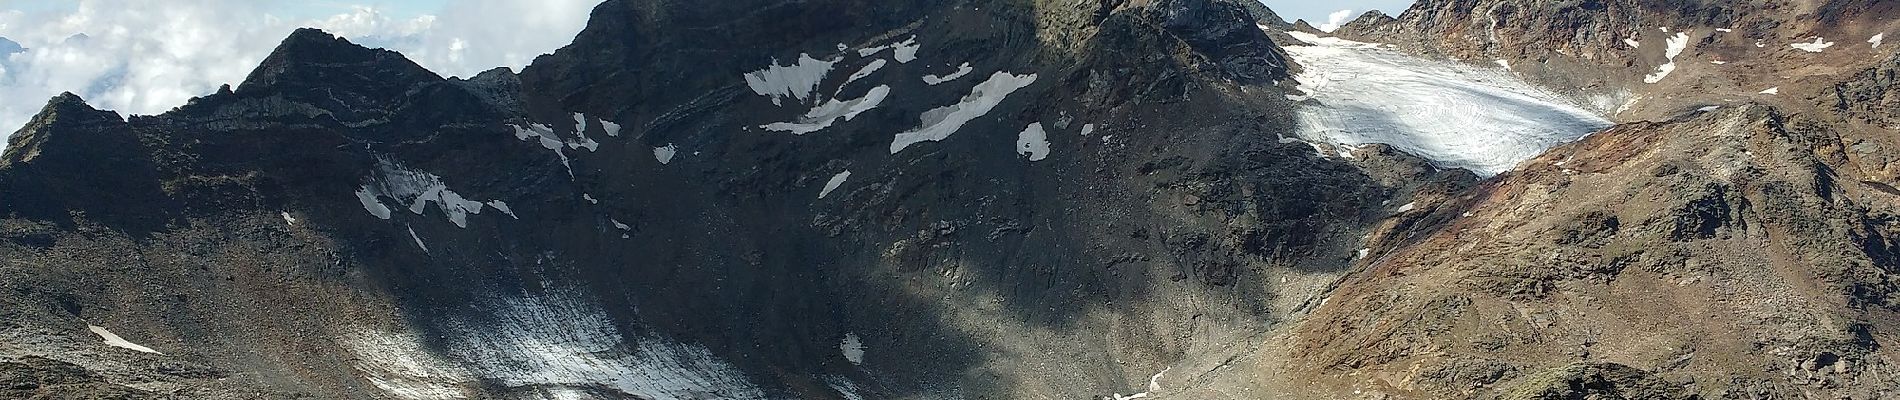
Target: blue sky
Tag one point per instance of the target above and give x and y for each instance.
(1317, 12)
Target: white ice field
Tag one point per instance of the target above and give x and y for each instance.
(1460, 116)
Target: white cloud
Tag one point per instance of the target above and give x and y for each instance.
(368, 22)
(1334, 20)
(138, 58)
(475, 35)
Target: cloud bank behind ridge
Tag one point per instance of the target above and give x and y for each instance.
(145, 57)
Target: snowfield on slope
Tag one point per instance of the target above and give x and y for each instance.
(112, 339)
(1458, 116)
(418, 188)
(554, 343)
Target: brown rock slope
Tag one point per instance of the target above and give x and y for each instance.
(1722, 243)
(1740, 252)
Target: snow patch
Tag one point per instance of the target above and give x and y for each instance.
(416, 189)
(503, 207)
(590, 198)
(289, 220)
(1154, 385)
(371, 203)
(612, 129)
(1033, 142)
(1815, 47)
(1772, 90)
(1458, 115)
(939, 123)
(543, 133)
(1088, 129)
(581, 140)
(624, 229)
(1676, 44)
(1633, 43)
(1363, 253)
(418, 239)
(864, 72)
(1724, 30)
(547, 138)
(114, 340)
(962, 70)
(904, 52)
(1408, 207)
(853, 348)
(664, 154)
(797, 80)
(827, 113)
(1878, 37)
(836, 180)
(1502, 63)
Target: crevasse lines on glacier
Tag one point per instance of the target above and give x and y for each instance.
(1459, 116)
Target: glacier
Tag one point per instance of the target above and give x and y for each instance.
(1459, 116)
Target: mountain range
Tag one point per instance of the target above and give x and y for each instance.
(992, 199)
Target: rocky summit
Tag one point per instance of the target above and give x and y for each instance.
(993, 199)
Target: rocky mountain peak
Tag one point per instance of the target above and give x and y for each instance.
(1263, 15)
(1303, 26)
(72, 157)
(1227, 33)
(500, 87)
(1367, 20)
(314, 66)
(64, 116)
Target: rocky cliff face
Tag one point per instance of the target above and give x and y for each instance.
(972, 199)
(1724, 253)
